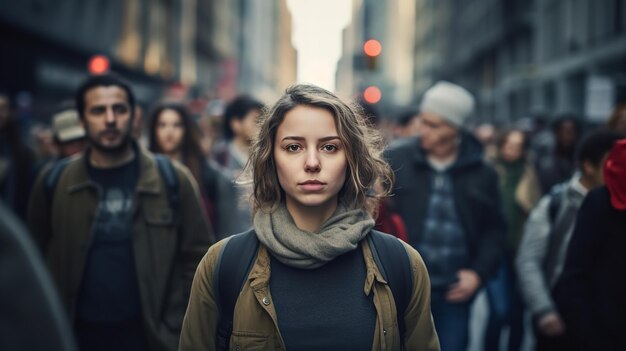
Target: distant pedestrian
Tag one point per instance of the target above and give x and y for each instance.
(591, 292)
(520, 192)
(557, 164)
(17, 160)
(547, 233)
(486, 133)
(407, 124)
(240, 127)
(121, 230)
(69, 134)
(449, 199)
(173, 132)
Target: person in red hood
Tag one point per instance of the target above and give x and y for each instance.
(615, 175)
(591, 293)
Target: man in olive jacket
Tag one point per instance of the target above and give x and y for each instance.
(121, 256)
(449, 200)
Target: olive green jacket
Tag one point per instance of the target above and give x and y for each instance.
(166, 250)
(255, 325)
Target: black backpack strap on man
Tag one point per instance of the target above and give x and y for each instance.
(53, 176)
(168, 173)
(239, 253)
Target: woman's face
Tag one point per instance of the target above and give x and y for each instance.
(513, 147)
(169, 131)
(310, 158)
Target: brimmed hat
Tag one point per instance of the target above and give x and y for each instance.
(449, 101)
(66, 126)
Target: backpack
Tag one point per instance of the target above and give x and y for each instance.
(556, 199)
(166, 169)
(239, 254)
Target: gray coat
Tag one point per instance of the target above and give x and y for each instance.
(542, 251)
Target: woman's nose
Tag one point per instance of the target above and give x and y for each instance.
(312, 162)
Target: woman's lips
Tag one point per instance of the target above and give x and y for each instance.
(312, 185)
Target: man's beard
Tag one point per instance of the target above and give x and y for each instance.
(111, 150)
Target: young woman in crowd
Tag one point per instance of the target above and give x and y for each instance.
(520, 191)
(173, 133)
(316, 278)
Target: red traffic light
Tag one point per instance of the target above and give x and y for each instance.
(372, 48)
(98, 64)
(372, 95)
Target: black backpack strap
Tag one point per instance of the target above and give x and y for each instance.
(557, 193)
(233, 266)
(53, 176)
(394, 264)
(556, 198)
(166, 169)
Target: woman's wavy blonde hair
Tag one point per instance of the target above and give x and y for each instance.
(362, 143)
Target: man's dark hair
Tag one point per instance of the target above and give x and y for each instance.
(407, 116)
(595, 145)
(561, 119)
(238, 109)
(105, 80)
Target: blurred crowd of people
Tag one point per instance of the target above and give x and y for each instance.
(533, 212)
(505, 217)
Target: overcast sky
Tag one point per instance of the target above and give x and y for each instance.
(317, 26)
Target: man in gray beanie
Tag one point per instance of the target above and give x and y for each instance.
(449, 199)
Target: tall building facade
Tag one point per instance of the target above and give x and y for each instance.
(523, 57)
(519, 57)
(267, 59)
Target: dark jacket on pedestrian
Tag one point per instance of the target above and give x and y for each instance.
(167, 244)
(520, 191)
(17, 171)
(27, 295)
(476, 195)
(543, 249)
(554, 167)
(591, 293)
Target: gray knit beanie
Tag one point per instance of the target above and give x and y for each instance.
(449, 101)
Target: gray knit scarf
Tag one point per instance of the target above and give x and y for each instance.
(296, 248)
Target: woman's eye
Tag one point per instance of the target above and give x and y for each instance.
(329, 148)
(292, 147)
